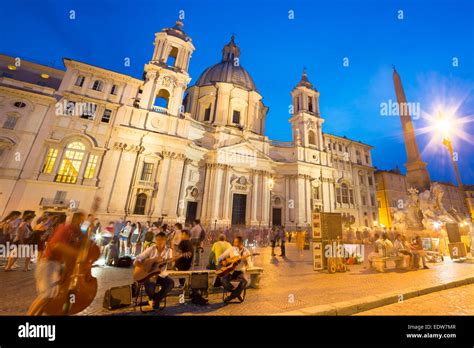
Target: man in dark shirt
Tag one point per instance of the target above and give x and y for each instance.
(184, 263)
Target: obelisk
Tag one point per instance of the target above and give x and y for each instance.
(417, 174)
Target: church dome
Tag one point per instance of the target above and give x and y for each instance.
(227, 70)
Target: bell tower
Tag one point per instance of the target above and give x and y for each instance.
(306, 121)
(166, 75)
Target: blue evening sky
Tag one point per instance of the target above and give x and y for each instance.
(274, 49)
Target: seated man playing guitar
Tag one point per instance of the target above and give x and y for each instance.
(240, 257)
(156, 254)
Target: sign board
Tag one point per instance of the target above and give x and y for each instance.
(318, 251)
(453, 232)
(325, 227)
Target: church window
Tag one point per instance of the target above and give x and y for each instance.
(367, 159)
(236, 117)
(19, 105)
(162, 98)
(361, 179)
(114, 90)
(370, 181)
(207, 114)
(71, 163)
(340, 147)
(351, 196)
(372, 200)
(171, 60)
(10, 122)
(364, 200)
(80, 81)
(359, 160)
(106, 116)
(334, 146)
(310, 104)
(98, 85)
(50, 160)
(91, 165)
(311, 138)
(147, 172)
(345, 193)
(338, 195)
(140, 204)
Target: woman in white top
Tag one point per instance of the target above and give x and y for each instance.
(125, 238)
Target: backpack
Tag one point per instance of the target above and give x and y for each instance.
(197, 298)
(124, 262)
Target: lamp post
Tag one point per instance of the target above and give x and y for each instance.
(443, 126)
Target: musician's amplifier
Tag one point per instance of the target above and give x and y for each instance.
(199, 280)
(117, 297)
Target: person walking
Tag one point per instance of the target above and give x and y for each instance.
(22, 237)
(300, 239)
(197, 238)
(273, 239)
(282, 238)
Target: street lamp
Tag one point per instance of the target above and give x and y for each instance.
(443, 125)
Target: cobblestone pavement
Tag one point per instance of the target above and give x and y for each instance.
(456, 301)
(287, 284)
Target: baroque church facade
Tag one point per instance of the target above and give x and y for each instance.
(157, 148)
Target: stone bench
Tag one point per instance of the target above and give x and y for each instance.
(380, 263)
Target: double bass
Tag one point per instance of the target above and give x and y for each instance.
(77, 286)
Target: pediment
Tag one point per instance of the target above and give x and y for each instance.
(242, 150)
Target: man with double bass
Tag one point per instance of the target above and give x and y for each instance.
(237, 251)
(49, 269)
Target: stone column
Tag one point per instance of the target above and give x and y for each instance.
(163, 183)
(227, 198)
(254, 197)
(217, 192)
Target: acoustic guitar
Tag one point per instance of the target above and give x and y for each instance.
(149, 268)
(228, 265)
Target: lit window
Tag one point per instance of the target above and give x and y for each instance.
(50, 160)
(98, 85)
(45, 76)
(147, 171)
(71, 163)
(106, 116)
(236, 117)
(80, 81)
(19, 105)
(10, 122)
(91, 165)
(113, 90)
